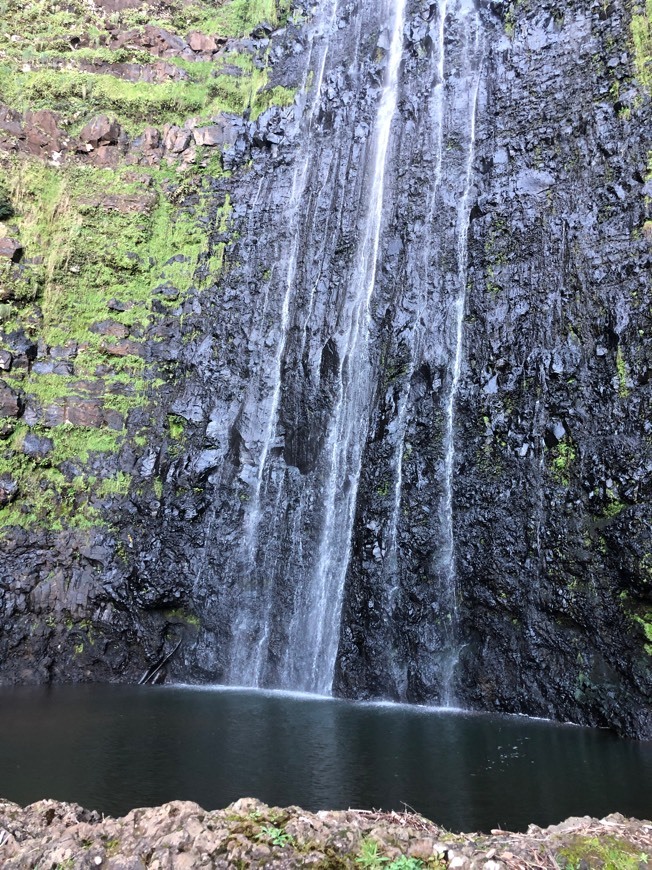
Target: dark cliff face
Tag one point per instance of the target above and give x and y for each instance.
(548, 611)
(552, 517)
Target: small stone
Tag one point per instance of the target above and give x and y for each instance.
(8, 490)
(111, 328)
(5, 360)
(84, 412)
(118, 305)
(123, 348)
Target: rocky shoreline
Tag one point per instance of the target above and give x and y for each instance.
(248, 833)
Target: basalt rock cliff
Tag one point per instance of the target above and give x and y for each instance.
(324, 350)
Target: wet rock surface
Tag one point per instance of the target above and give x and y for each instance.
(552, 464)
(250, 834)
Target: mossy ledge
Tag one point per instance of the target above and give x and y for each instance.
(251, 834)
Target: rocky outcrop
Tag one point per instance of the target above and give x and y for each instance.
(249, 833)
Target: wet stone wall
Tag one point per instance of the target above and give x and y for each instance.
(489, 542)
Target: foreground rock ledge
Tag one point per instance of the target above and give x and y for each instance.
(52, 835)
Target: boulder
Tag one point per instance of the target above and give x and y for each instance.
(200, 42)
(110, 327)
(84, 412)
(42, 132)
(100, 131)
(222, 132)
(163, 43)
(175, 139)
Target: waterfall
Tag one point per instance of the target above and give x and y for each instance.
(316, 257)
(315, 627)
(447, 558)
(436, 117)
(245, 667)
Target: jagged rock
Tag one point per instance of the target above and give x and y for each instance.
(37, 446)
(11, 249)
(248, 833)
(123, 348)
(157, 73)
(110, 327)
(165, 44)
(202, 43)
(118, 305)
(84, 412)
(175, 139)
(5, 360)
(100, 131)
(42, 133)
(8, 490)
(64, 352)
(11, 401)
(150, 140)
(223, 132)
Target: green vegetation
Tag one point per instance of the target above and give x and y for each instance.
(623, 374)
(645, 621)
(370, 856)
(563, 455)
(109, 252)
(78, 95)
(41, 69)
(184, 616)
(614, 505)
(89, 256)
(609, 853)
(642, 41)
(57, 491)
(94, 253)
(276, 836)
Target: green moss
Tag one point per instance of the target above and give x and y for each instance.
(622, 370)
(641, 29)
(644, 620)
(184, 616)
(614, 506)
(563, 455)
(117, 485)
(610, 853)
(90, 255)
(176, 426)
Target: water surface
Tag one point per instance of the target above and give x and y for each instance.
(112, 748)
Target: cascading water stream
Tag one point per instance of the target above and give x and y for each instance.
(316, 623)
(437, 119)
(448, 558)
(246, 666)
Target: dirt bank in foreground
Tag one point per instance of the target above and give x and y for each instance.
(52, 836)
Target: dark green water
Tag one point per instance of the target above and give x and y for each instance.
(114, 748)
